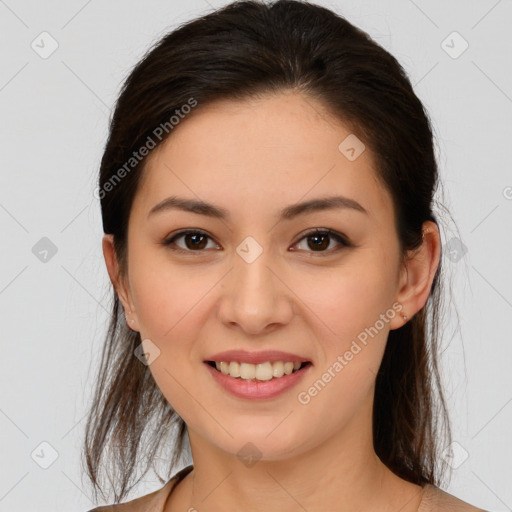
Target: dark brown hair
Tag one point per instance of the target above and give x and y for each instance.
(248, 49)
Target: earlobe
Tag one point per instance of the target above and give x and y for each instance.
(116, 279)
(418, 274)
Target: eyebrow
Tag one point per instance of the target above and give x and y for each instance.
(202, 208)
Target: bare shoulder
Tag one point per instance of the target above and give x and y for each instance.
(437, 500)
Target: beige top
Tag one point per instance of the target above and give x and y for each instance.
(433, 499)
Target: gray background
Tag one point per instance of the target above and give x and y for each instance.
(54, 307)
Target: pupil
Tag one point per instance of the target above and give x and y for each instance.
(321, 246)
(195, 236)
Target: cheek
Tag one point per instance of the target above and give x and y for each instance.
(349, 310)
(345, 316)
(171, 311)
(348, 299)
(166, 296)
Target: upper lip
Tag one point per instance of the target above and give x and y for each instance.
(244, 356)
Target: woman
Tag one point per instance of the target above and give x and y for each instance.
(267, 199)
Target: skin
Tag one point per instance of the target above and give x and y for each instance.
(253, 158)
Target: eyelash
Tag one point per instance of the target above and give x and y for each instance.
(317, 231)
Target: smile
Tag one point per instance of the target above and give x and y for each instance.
(248, 385)
(257, 372)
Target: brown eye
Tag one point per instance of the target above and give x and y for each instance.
(320, 240)
(194, 241)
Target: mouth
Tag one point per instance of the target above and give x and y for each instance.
(262, 372)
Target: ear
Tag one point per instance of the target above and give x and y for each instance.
(118, 281)
(417, 275)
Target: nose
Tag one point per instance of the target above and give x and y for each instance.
(255, 297)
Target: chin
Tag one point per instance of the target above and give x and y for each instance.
(261, 441)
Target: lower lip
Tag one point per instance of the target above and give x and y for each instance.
(257, 389)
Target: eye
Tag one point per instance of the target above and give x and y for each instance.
(320, 239)
(195, 241)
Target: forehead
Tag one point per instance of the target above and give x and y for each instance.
(259, 153)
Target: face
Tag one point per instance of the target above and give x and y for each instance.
(256, 280)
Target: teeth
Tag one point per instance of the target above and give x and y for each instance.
(234, 369)
(262, 371)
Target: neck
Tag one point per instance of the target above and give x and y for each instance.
(343, 473)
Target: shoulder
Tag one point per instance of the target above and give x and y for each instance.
(154, 501)
(436, 500)
(147, 502)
